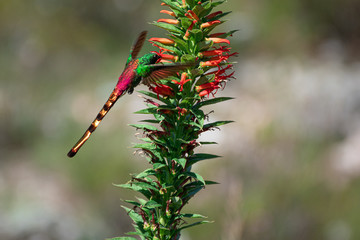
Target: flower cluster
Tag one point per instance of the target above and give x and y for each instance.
(176, 106)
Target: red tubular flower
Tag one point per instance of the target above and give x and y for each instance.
(210, 16)
(170, 21)
(187, 34)
(162, 90)
(165, 41)
(183, 80)
(209, 24)
(218, 40)
(194, 15)
(168, 12)
(216, 34)
(217, 51)
(169, 57)
(207, 88)
(211, 63)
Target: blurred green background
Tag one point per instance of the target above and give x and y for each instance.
(291, 161)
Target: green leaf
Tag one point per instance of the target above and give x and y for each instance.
(205, 79)
(181, 161)
(208, 182)
(198, 9)
(157, 166)
(188, 58)
(194, 175)
(174, 6)
(147, 172)
(216, 124)
(194, 190)
(200, 157)
(225, 35)
(181, 44)
(151, 204)
(215, 4)
(168, 27)
(149, 146)
(185, 22)
(194, 224)
(134, 215)
(191, 215)
(191, 3)
(207, 143)
(211, 101)
(205, 45)
(133, 203)
(153, 95)
(197, 35)
(199, 116)
(137, 186)
(144, 127)
(146, 111)
(150, 121)
(121, 238)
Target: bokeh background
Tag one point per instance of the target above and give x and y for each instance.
(291, 161)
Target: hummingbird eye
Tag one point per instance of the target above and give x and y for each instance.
(155, 58)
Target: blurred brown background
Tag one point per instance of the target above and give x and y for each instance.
(291, 161)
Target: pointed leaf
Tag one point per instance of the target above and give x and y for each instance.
(200, 157)
(152, 204)
(212, 101)
(121, 238)
(157, 166)
(191, 215)
(147, 172)
(194, 224)
(168, 27)
(199, 116)
(194, 175)
(181, 161)
(153, 95)
(216, 124)
(149, 146)
(206, 143)
(208, 182)
(144, 127)
(133, 203)
(134, 215)
(146, 111)
(174, 6)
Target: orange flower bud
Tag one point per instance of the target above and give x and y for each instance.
(209, 24)
(170, 21)
(169, 57)
(218, 40)
(168, 12)
(165, 41)
(194, 15)
(209, 64)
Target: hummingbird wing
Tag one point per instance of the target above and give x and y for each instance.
(137, 46)
(162, 71)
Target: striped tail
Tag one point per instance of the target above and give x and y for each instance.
(107, 106)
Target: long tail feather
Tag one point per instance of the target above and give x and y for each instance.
(107, 106)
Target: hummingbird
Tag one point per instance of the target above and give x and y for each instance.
(136, 71)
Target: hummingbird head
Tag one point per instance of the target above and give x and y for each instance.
(150, 58)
